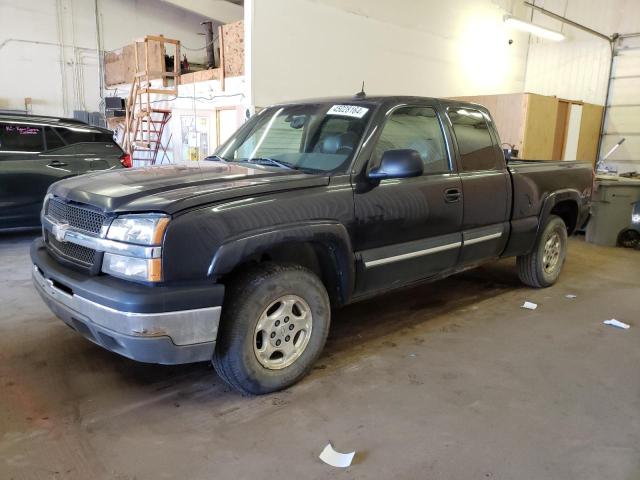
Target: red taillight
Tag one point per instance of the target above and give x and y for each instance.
(125, 160)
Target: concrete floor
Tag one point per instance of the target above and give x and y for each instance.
(446, 381)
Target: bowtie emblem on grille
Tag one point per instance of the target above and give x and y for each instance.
(59, 231)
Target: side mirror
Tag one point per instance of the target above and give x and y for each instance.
(401, 163)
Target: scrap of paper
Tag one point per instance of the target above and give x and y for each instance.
(616, 323)
(336, 459)
(530, 305)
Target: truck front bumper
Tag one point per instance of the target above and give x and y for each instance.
(144, 323)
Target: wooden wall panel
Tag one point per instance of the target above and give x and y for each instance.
(562, 117)
(233, 45)
(120, 66)
(540, 119)
(589, 132)
(114, 68)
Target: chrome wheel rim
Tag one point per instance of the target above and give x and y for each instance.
(552, 253)
(282, 332)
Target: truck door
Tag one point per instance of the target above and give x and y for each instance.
(408, 229)
(486, 185)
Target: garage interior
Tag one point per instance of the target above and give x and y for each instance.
(448, 379)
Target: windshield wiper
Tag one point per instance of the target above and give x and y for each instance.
(216, 158)
(270, 161)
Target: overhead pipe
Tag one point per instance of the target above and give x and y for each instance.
(567, 21)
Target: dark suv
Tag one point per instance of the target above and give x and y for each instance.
(37, 151)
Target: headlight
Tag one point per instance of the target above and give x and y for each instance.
(132, 268)
(139, 229)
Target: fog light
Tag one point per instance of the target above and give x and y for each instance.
(132, 268)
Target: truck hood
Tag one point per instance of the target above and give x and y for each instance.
(172, 188)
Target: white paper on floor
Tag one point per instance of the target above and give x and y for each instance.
(530, 305)
(570, 295)
(336, 459)
(616, 323)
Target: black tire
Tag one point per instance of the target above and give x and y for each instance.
(247, 298)
(532, 269)
(629, 239)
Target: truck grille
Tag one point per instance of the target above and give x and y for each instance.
(78, 217)
(73, 252)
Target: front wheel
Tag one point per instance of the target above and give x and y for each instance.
(541, 267)
(274, 325)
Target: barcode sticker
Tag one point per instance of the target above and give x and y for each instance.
(348, 111)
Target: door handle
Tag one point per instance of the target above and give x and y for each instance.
(57, 163)
(452, 194)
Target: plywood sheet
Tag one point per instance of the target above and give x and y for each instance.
(114, 68)
(562, 117)
(233, 44)
(589, 132)
(540, 131)
(120, 67)
(200, 76)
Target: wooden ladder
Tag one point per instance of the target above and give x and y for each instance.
(143, 128)
(148, 141)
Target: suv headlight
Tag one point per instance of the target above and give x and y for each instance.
(138, 229)
(143, 229)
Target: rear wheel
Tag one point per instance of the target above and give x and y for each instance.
(541, 267)
(274, 325)
(629, 239)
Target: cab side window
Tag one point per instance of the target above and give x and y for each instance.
(53, 139)
(415, 128)
(20, 138)
(476, 147)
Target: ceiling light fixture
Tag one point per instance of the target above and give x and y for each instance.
(533, 29)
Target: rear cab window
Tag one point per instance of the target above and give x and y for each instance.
(476, 145)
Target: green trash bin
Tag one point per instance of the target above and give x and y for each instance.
(611, 207)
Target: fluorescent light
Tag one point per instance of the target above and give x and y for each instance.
(533, 29)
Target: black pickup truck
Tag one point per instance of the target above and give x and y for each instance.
(308, 206)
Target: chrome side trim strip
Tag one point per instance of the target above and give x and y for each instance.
(484, 238)
(405, 256)
(103, 244)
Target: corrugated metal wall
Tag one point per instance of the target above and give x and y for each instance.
(623, 112)
(578, 68)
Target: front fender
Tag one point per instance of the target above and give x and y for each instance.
(331, 235)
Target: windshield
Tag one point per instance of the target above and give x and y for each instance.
(309, 137)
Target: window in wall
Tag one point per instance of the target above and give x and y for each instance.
(415, 128)
(195, 137)
(53, 139)
(477, 150)
(20, 138)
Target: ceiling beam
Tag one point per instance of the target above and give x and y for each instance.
(221, 10)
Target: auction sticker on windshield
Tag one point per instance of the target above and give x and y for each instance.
(348, 111)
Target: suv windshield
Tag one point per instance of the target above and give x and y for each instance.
(309, 137)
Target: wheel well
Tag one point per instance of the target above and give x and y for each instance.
(317, 257)
(567, 210)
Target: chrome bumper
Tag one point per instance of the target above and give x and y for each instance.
(168, 337)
